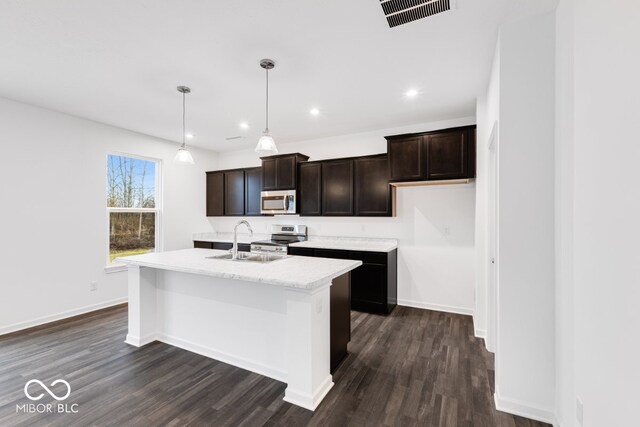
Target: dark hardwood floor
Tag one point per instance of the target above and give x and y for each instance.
(413, 367)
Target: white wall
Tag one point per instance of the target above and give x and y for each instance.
(53, 228)
(564, 337)
(599, 286)
(521, 98)
(435, 225)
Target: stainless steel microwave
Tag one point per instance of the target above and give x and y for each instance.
(278, 202)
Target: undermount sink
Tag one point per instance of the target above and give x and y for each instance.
(250, 257)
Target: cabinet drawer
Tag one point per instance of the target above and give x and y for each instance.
(369, 257)
(203, 245)
(331, 253)
(300, 251)
(223, 246)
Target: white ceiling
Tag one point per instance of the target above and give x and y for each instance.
(119, 61)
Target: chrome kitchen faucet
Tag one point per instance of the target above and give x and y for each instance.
(234, 249)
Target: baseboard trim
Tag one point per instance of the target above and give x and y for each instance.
(480, 333)
(309, 402)
(140, 341)
(523, 409)
(436, 307)
(222, 356)
(16, 327)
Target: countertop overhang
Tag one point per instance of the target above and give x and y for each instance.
(365, 244)
(292, 271)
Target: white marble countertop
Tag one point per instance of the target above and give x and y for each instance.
(349, 244)
(292, 271)
(321, 242)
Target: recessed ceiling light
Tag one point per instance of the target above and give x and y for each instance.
(189, 135)
(314, 111)
(244, 125)
(411, 93)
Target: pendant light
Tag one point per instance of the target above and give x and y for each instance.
(183, 155)
(266, 145)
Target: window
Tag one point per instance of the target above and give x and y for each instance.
(132, 205)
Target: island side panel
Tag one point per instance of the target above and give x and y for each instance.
(234, 321)
(340, 313)
(142, 305)
(308, 346)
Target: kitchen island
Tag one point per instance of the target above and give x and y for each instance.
(271, 318)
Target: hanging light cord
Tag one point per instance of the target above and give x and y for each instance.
(267, 103)
(184, 144)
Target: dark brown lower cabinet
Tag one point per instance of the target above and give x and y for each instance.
(223, 246)
(374, 285)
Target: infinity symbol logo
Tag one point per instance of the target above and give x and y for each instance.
(52, 394)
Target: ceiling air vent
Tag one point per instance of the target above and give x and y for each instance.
(399, 12)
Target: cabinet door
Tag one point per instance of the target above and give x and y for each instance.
(405, 158)
(269, 174)
(337, 188)
(215, 194)
(372, 190)
(310, 189)
(234, 193)
(446, 155)
(368, 288)
(286, 172)
(253, 187)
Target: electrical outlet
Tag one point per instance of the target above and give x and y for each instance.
(93, 286)
(579, 410)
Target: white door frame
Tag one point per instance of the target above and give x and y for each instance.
(492, 243)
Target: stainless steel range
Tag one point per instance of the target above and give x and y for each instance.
(281, 237)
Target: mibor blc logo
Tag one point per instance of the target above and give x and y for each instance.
(61, 393)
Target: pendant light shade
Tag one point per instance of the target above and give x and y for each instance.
(266, 145)
(183, 155)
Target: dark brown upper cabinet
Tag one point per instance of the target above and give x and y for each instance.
(310, 188)
(253, 187)
(269, 181)
(372, 189)
(446, 155)
(234, 196)
(234, 192)
(435, 155)
(337, 187)
(215, 193)
(405, 158)
(281, 172)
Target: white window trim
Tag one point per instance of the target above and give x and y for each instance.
(116, 267)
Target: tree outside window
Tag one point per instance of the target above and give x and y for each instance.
(132, 205)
